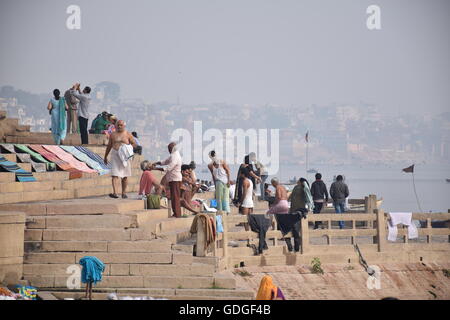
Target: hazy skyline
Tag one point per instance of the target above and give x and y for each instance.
(255, 52)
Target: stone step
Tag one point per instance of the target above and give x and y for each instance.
(177, 236)
(247, 251)
(79, 222)
(25, 166)
(154, 246)
(200, 270)
(60, 269)
(9, 157)
(23, 128)
(296, 258)
(105, 234)
(171, 224)
(7, 177)
(214, 261)
(53, 175)
(105, 257)
(75, 206)
(158, 227)
(158, 293)
(157, 245)
(219, 293)
(186, 248)
(11, 198)
(65, 246)
(142, 217)
(12, 122)
(179, 282)
(30, 186)
(243, 235)
(78, 188)
(44, 138)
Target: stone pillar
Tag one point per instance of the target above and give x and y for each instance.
(381, 230)
(12, 229)
(225, 238)
(304, 229)
(200, 252)
(371, 206)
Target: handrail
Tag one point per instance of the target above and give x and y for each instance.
(376, 227)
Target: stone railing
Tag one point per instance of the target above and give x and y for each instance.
(369, 225)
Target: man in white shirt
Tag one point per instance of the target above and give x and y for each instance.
(83, 110)
(173, 177)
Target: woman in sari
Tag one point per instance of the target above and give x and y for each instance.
(57, 108)
(268, 291)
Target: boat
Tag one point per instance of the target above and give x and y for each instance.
(448, 180)
(293, 180)
(312, 171)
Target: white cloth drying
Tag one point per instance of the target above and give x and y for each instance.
(125, 153)
(404, 218)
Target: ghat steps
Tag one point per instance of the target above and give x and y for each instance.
(56, 185)
(139, 247)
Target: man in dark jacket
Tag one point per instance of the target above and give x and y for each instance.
(339, 192)
(320, 196)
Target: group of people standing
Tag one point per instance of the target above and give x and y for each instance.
(70, 113)
(180, 184)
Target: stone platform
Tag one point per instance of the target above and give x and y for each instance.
(140, 248)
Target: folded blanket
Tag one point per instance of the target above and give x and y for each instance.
(21, 175)
(74, 173)
(86, 159)
(67, 157)
(94, 156)
(8, 147)
(50, 166)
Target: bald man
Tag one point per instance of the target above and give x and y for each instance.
(173, 177)
(118, 138)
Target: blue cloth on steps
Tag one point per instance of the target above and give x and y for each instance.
(219, 225)
(92, 269)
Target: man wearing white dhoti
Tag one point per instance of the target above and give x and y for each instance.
(119, 145)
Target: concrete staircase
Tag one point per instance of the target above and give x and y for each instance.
(139, 247)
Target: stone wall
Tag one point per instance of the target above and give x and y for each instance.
(12, 226)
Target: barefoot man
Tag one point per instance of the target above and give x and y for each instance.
(116, 140)
(173, 177)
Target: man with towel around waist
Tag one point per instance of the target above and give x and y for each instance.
(119, 168)
(173, 177)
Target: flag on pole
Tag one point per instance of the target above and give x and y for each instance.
(409, 169)
(306, 136)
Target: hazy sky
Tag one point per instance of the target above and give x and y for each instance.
(287, 52)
